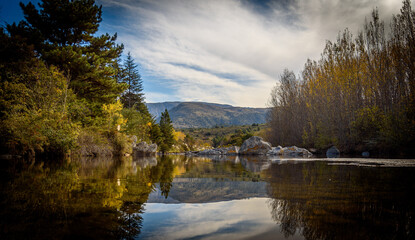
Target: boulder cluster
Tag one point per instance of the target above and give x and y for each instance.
(256, 146)
(252, 146)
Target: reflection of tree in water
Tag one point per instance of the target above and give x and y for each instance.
(166, 177)
(225, 168)
(90, 198)
(133, 201)
(342, 202)
(130, 220)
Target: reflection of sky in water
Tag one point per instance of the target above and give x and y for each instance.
(237, 219)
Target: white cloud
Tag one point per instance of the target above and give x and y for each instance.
(192, 47)
(157, 97)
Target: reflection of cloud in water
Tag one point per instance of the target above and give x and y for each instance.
(236, 219)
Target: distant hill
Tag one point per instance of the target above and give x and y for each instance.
(204, 190)
(156, 109)
(204, 115)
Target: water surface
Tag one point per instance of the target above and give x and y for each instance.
(177, 197)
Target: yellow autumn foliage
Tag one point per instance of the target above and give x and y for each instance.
(114, 118)
(178, 136)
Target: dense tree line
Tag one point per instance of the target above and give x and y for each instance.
(63, 86)
(360, 95)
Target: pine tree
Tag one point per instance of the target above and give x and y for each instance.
(166, 128)
(133, 95)
(62, 33)
(156, 135)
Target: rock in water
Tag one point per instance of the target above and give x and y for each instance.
(143, 149)
(365, 154)
(275, 151)
(333, 152)
(210, 152)
(255, 146)
(233, 150)
(295, 151)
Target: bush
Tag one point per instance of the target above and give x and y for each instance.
(39, 121)
(366, 129)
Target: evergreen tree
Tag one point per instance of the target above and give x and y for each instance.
(166, 128)
(156, 135)
(62, 34)
(133, 95)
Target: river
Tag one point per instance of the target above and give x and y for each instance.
(178, 197)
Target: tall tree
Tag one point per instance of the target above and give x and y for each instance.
(286, 117)
(63, 34)
(166, 129)
(155, 134)
(133, 95)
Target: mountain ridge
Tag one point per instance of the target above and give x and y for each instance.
(205, 115)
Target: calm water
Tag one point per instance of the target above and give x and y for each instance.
(177, 197)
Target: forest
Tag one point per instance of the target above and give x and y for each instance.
(67, 89)
(359, 96)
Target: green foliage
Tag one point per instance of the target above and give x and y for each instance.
(167, 131)
(35, 116)
(137, 124)
(60, 83)
(156, 135)
(39, 131)
(190, 143)
(218, 141)
(113, 117)
(93, 142)
(122, 143)
(239, 138)
(63, 22)
(324, 138)
(62, 33)
(368, 124)
(139, 119)
(133, 95)
(225, 136)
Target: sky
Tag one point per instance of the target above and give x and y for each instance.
(224, 51)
